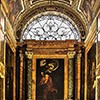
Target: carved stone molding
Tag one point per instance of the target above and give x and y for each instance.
(50, 51)
(56, 7)
(50, 1)
(35, 44)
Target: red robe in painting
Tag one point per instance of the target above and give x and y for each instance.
(48, 86)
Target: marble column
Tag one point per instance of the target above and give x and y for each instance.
(29, 75)
(71, 75)
(21, 74)
(78, 75)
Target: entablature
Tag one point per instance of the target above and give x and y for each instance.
(51, 47)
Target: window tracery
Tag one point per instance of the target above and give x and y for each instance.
(51, 27)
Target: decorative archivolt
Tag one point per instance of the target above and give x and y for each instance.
(41, 7)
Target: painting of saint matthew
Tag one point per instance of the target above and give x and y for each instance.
(50, 79)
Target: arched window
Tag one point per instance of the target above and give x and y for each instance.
(51, 27)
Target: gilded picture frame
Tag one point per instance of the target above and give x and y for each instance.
(60, 58)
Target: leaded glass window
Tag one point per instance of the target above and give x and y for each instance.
(51, 27)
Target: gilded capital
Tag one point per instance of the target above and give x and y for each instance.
(29, 54)
(79, 54)
(71, 54)
(20, 54)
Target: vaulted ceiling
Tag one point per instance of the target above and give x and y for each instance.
(82, 12)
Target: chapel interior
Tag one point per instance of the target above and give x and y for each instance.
(60, 38)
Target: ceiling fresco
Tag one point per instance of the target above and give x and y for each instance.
(87, 9)
(14, 7)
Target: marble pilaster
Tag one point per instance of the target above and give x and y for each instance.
(78, 76)
(29, 75)
(71, 75)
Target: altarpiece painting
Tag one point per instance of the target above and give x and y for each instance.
(49, 77)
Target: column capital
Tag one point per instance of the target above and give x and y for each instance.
(20, 54)
(71, 54)
(29, 54)
(79, 54)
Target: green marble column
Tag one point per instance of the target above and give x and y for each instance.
(29, 75)
(71, 75)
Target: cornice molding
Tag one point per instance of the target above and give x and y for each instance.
(35, 44)
(8, 32)
(9, 36)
